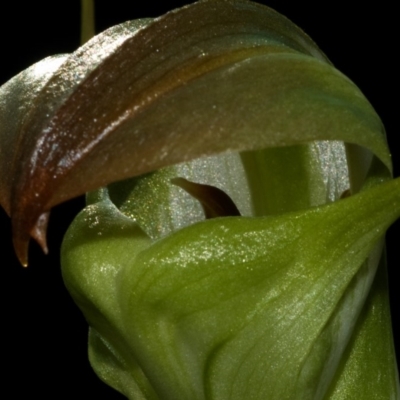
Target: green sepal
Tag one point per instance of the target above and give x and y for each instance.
(228, 308)
(368, 368)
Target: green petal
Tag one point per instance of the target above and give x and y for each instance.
(368, 368)
(230, 308)
(92, 288)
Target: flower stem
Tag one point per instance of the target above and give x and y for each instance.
(87, 20)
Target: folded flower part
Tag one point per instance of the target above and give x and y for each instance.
(233, 308)
(286, 301)
(210, 77)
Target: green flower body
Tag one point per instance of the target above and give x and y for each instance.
(244, 260)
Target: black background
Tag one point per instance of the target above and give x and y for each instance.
(44, 336)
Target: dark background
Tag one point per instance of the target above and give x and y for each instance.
(43, 333)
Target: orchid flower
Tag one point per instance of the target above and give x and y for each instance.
(240, 253)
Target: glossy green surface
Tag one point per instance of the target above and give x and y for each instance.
(238, 307)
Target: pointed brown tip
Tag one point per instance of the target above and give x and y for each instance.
(21, 248)
(21, 238)
(39, 231)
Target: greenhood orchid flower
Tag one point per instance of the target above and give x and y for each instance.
(242, 259)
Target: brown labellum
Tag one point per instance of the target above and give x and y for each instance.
(215, 202)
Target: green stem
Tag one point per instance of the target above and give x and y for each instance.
(87, 20)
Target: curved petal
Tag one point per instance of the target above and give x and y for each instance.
(17, 97)
(33, 95)
(210, 77)
(230, 308)
(368, 367)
